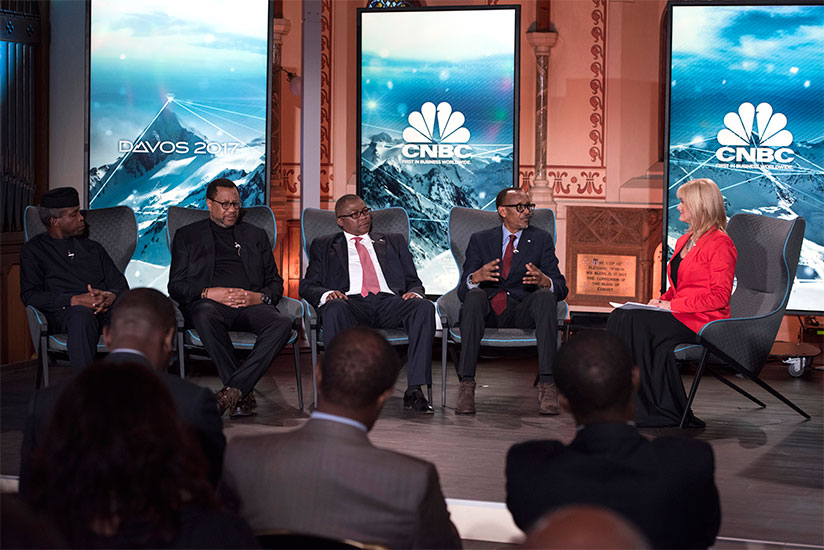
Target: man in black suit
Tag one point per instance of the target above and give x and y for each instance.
(358, 277)
(510, 279)
(224, 277)
(666, 486)
(142, 331)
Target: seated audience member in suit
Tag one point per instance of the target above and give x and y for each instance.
(326, 478)
(361, 277)
(224, 277)
(141, 332)
(584, 528)
(510, 279)
(665, 487)
(117, 470)
(69, 277)
(701, 274)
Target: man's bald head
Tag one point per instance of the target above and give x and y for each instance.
(580, 527)
(143, 319)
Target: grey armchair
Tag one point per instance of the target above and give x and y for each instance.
(768, 251)
(188, 338)
(463, 223)
(115, 229)
(316, 223)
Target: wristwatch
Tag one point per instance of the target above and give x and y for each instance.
(265, 299)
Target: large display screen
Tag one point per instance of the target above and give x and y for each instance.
(438, 128)
(177, 97)
(746, 109)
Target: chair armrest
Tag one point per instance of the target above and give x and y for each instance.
(310, 315)
(448, 307)
(180, 321)
(291, 308)
(38, 325)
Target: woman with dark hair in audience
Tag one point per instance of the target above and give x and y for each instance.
(701, 273)
(118, 470)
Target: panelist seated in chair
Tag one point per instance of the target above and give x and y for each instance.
(326, 478)
(225, 278)
(69, 278)
(510, 279)
(701, 274)
(361, 277)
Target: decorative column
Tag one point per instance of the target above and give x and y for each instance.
(542, 42)
(277, 194)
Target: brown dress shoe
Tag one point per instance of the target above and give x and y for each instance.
(548, 399)
(466, 398)
(227, 399)
(245, 407)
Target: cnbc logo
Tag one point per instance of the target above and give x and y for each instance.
(436, 133)
(755, 135)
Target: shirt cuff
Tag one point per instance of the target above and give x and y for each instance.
(469, 284)
(324, 296)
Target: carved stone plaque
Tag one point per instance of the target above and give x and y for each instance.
(606, 275)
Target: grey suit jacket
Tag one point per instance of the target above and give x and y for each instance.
(327, 479)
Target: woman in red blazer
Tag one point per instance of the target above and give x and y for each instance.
(701, 276)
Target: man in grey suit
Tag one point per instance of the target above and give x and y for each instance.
(326, 478)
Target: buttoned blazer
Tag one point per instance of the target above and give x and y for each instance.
(665, 487)
(705, 279)
(328, 267)
(193, 261)
(535, 246)
(327, 479)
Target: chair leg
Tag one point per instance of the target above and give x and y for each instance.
(297, 374)
(701, 366)
(313, 344)
(735, 387)
(777, 395)
(44, 359)
(444, 345)
(181, 355)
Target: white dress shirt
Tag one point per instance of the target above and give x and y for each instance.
(355, 269)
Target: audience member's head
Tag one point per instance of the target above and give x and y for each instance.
(115, 460)
(357, 374)
(596, 378)
(143, 319)
(22, 527)
(580, 527)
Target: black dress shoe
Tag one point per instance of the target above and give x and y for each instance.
(417, 402)
(245, 407)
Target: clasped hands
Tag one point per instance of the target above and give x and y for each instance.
(490, 272)
(99, 301)
(233, 297)
(338, 295)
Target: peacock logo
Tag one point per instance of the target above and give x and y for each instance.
(755, 135)
(436, 133)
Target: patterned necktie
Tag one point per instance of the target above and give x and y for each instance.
(499, 300)
(370, 276)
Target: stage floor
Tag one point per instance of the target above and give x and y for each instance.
(769, 462)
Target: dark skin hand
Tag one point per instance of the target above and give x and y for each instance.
(97, 300)
(338, 295)
(535, 276)
(488, 272)
(233, 297)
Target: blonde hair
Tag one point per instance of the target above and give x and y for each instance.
(705, 204)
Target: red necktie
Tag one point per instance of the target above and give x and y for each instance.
(370, 276)
(499, 300)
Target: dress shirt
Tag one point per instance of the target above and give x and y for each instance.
(505, 242)
(355, 269)
(317, 415)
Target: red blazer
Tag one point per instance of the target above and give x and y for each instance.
(704, 280)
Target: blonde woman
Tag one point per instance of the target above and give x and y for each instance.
(700, 274)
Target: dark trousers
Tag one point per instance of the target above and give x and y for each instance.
(651, 337)
(538, 311)
(416, 317)
(213, 322)
(83, 329)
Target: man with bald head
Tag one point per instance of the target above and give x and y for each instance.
(362, 277)
(142, 331)
(579, 527)
(326, 478)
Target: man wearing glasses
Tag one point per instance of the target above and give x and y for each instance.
(510, 279)
(225, 278)
(360, 277)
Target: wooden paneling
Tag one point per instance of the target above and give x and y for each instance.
(15, 342)
(291, 259)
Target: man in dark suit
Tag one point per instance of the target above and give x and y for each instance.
(71, 279)
(142, 331)
(326, 478)
(666, 486)
(362, 277)
(510, 279)
(224, 277)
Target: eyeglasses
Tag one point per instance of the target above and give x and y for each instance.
(520, 207)
(356, 215)
(226, 205)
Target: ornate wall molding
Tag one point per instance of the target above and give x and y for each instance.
(597, 84)
(291, 180)
(325, 86)
(569, 182)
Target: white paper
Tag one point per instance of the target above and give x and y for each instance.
(636, 305)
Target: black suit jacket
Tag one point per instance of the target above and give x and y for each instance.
(195, 405)
(666, 486)
(328, 267)
(535, 246)
(193, 261)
